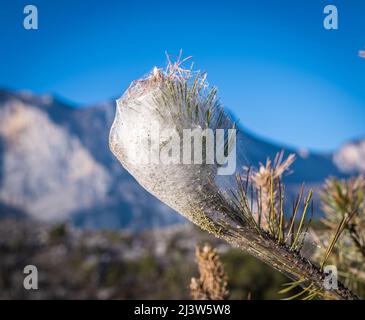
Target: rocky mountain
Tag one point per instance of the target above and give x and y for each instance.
(55, 165)
(351, 157)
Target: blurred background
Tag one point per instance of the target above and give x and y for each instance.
(69, 208)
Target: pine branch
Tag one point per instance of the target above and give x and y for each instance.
(177, 99)
(212, 282)
(345, 199)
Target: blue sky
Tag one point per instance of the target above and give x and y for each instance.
(283, 75)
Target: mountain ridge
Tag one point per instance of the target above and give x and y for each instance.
(55, 165)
